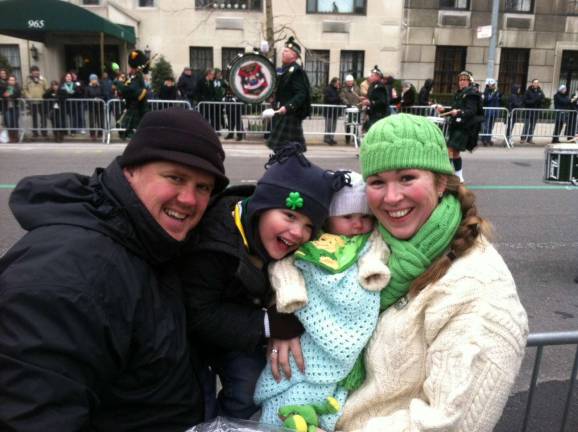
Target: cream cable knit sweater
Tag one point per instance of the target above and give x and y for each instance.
(446, 360)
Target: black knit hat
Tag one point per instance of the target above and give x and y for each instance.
(180, 136)
(292, 45)
(293, 182)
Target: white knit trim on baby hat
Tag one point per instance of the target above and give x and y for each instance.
(350, 199)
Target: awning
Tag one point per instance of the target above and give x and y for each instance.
(34, 19)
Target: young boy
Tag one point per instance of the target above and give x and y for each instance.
(343, 272)
(228, 295)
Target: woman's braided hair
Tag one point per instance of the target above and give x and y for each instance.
(471, 227)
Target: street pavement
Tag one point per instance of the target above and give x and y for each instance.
(535, 231)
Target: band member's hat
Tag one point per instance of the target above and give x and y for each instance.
(293, 46)
(467, 74)
(138, 60)
(377, 71)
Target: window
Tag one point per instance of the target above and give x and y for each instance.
(351, 62)
(523, 6)
(201, 59)
(572, 7)
(455, 4)
(569, 70)
(317, 67)
(229, 54)
(356, 7)
(90, 2)
(513, 69)
(236, 5)
(12, 54)
(146, 3)
(449, 62)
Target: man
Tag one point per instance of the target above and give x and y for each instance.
(186, 85)
(91, 312)
(134, 92)
(350, 95)
(492, 99)
(292, 101)
(465, 117)
(34, 88)
(377, 100)
(533, 99)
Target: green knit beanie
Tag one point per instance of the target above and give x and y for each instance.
(404, 141)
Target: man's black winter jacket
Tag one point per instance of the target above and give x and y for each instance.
(92, 323)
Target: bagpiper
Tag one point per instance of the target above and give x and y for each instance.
(133, 91)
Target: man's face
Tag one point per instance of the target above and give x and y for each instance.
(536, 84)
(175, 195)
(35, 73)
(349, 83)
(288, 56)
(188, 72)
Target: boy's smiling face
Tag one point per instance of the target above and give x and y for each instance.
(282, 231)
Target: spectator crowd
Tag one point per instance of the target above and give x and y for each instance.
(62, 107)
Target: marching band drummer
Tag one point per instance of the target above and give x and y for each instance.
(292, 100)
(134, 92)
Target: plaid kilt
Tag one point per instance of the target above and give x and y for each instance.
(131, 118)
(285, 129)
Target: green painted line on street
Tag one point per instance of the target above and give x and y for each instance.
(7, 186)
(522, 187)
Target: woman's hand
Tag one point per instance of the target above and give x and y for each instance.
(278, 350)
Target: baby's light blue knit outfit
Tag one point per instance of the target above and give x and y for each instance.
(339, 318)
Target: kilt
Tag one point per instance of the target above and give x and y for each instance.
(131, 118)
(285, 129)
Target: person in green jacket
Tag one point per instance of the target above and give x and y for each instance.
(292, 101)
(134, 92)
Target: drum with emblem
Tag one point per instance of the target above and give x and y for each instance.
(561, 164)
(251, 77)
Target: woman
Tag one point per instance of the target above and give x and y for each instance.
(66, 91)
(55, 110)
(408, 97)
(562, 102)
(95, 107)
(466, 115)
(451, 337)
(11, 108)
(331, 97)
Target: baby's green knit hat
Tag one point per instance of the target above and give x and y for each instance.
(404, 141)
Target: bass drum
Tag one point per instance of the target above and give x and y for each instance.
(251, 78)
(561, 164)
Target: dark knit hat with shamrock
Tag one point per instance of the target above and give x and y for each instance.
(293, 182)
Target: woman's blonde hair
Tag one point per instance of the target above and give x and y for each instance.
(471, 227)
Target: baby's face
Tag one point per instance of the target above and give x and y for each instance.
(350, 225)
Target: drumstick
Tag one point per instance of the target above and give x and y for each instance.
(445, 114)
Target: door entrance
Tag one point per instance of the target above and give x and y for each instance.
(569, 70)
(85, 59)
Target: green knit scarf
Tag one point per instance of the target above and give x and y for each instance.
(408, 260)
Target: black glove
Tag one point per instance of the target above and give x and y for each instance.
(283, 325)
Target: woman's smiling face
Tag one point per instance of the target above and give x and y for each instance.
(403, 200)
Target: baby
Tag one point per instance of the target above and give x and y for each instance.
(332, 284)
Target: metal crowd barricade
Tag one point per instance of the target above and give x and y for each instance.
(116, 107)
(12, 112)
(330, 121)
(235, 118)
(527, 124)
(540, 340)
(495, 124)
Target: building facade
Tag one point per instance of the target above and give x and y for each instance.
(535, 39)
